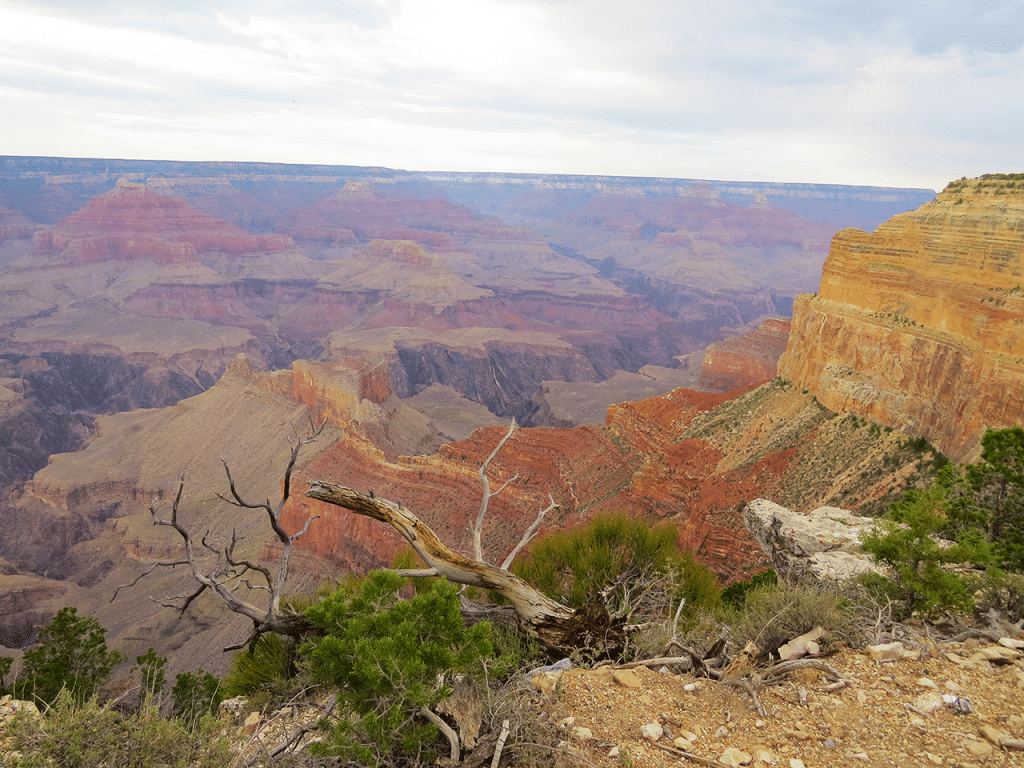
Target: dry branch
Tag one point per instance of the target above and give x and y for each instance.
(558, 627)
(226, 573)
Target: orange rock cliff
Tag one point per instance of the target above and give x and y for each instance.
(920, 325)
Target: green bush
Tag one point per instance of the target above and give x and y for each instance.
(270, 661)
(71, 654)
(5, 667)
(771, 616)
(907, 543)
(388, 658)
(988, 497)
(151, 669)
(195, 695)
(570, 565)
(735, 595)
(75, 734)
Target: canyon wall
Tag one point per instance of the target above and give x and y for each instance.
(920, 325)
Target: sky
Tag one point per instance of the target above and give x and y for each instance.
(909, 93)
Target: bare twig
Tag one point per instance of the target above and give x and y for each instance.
(477, 527)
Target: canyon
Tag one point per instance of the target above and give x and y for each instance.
(158, 317)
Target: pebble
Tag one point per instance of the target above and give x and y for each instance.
(734, 757)
(626, 678)
(652, 731)
(924, 682)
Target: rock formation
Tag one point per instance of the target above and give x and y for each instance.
(131, 222)
(823, 545)
(918, 325)
(743, 361)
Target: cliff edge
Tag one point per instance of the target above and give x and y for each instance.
(920, 324)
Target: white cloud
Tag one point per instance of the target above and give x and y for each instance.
(803, 90)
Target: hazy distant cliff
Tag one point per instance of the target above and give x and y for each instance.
(920, 325)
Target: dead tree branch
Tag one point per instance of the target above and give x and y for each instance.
(477, 527)
(227, 572)
(558, 627)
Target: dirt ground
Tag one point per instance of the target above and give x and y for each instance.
(888, 714)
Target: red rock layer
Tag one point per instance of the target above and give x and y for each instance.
(632, 464)
(744, 361)
(131, 221)
(918, 325)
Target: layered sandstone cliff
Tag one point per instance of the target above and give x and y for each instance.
(920, 325)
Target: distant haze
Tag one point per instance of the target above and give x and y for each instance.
(911, 94)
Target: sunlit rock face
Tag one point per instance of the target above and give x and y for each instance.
(744, 361)
(920, 325)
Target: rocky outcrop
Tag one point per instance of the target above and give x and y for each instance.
(823, 546)
(744, 361)
(132, 222)
(918, 325)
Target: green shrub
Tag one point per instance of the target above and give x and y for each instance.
(735, 595)
(773, 615)
(907, 543)
(390, 657)
(5, 667)
(87, 734)
(195, 695)
(270, 661)
(71, 654)
(988, 497)
(616, 550)
(151, 669)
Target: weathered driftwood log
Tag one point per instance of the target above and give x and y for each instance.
(559, 628)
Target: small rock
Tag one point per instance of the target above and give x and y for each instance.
(929, 702)
(252, 722)
(796, 762)
(613, 752)
(952, 687)
(764, 755)
(861, 756)
(829, 743)
(689, 736)
(935, 759)
(627, 678)
(691, 687)
(652, 731)
(924, 682)
(546, 682)
(233, 707)
(1009, 642)
(760, 724)
(566, 722)
(801, 646)
(582, 734)
(980, 748)
(886, 651)
(992, 734)
(734, 758)
(722, 732)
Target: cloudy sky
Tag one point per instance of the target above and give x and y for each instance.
(765, 90)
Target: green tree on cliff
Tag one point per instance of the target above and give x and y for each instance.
(72, 654)
(988, 497)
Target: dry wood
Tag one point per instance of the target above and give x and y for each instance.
(226, 573)
(558, 627)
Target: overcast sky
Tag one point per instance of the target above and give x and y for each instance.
(765, 90)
